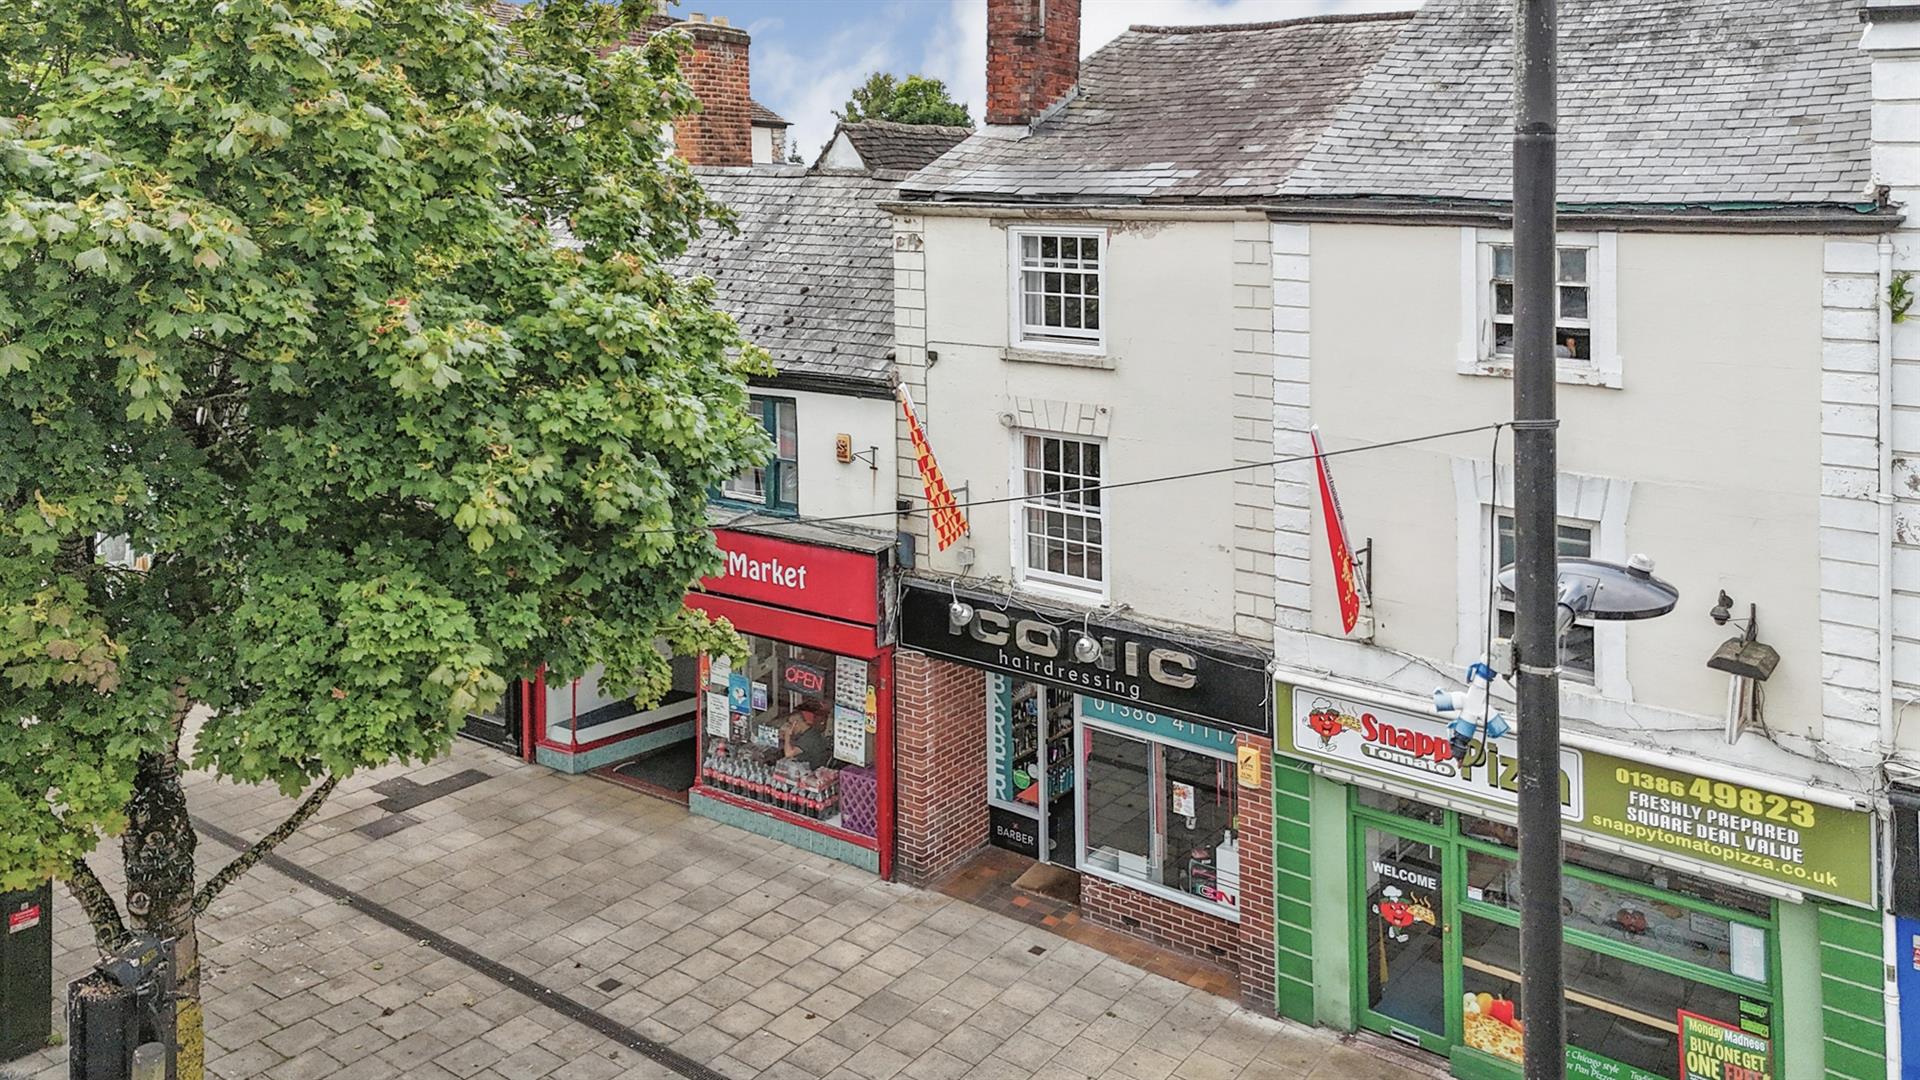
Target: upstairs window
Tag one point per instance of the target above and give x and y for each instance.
(1061, 524)
(1572, 325)
(1573, 540)
(775, 485)
(1585, 314)
(1059, 280)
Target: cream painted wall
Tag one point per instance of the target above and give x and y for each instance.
(1717, 428)
(1169, 308)
(829, 488)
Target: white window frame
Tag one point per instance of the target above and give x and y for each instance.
(1053, 339)
(1476, 352)
(1075, 589)
(1593, 548)
(1598, 502)
(1156, 797)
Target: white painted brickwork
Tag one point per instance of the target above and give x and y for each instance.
(910, 359)
(1293, 485)
(1255, 420)
(1849, 477)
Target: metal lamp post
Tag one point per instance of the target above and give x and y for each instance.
(1535, 573)
(1581, 589)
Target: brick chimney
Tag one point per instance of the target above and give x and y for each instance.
(1033, 57)
(721, 133)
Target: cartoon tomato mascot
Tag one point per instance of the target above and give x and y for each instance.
(1395, 912)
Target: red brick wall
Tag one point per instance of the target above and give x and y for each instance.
(1256, 883)
(940, 765)
(721, 133)
(1162, 922)
(1031, 62)
(1246, 946)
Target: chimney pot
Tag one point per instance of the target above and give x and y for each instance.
(1033, 57)
(694, 16)
(721, 20)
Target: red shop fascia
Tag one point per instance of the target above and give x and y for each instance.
(828, 596)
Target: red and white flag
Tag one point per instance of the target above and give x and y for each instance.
(949, 524)
(1346, 576)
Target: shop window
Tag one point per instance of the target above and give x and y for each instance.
(1401, 807)
(1162, 815)
(775, 485)
(1619, 1010)
(790, 727)
(1657, 925)
(1658, 877)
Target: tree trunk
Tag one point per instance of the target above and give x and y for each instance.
(158, 847)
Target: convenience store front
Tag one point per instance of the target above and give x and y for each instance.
(1713, 915)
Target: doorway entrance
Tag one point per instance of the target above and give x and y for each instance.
(1405, 937)
(1031, 768)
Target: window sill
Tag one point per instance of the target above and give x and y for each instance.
(1058, 591)
(1218, 911)
(1064, 356)
(751, 507)
(1565, 373)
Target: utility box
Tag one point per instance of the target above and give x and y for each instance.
(26, 971)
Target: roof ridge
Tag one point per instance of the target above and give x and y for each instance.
(897, 125)
(1307, 20)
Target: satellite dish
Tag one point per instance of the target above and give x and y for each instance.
(1606, 591)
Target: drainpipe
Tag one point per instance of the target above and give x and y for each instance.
(1889, 946)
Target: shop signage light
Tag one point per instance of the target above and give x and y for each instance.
(1214, 682)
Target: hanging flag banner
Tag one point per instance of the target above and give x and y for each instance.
(949, 524)
(1346, 577)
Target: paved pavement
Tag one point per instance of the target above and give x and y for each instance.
(628, 925)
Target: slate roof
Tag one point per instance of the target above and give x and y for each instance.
(1173, 113)
(765, 117)
(810, 274)
(1661, 101)
(895, 147)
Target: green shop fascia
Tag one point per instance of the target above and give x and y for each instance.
(1715, 921)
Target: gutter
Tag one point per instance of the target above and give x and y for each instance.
(1068, 211)
(842, 385)
(1825, 218)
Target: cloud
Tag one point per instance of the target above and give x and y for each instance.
(956, 49)
(806, 87)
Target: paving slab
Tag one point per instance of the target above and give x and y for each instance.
(521, 924)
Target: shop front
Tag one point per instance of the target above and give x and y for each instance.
(1713, 917)
(794, 738)
(1121, 757)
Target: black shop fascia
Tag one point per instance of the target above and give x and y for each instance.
(1218, 683)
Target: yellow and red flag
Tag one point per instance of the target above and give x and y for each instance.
(1346, 576)
(949, 524)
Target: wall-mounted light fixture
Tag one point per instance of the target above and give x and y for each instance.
(1744, 654)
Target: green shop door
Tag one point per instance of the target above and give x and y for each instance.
(1403, 937)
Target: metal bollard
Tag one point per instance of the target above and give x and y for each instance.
(150, 1062)
(121, 1008)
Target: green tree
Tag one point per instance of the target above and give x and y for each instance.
(913, 100)
(281, 304)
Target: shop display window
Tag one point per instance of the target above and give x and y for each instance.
(1161, 814)
(1651, 874)
(1619, 1010)
(792, 728)
(1656, 924)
